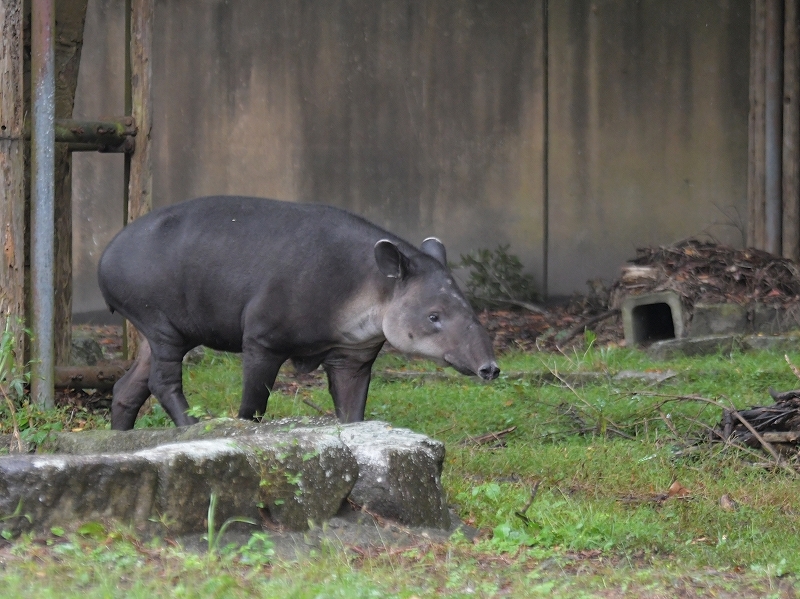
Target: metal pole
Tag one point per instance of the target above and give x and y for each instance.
(43, 200)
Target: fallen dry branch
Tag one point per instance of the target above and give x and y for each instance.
(581, 327)
(512, 302)
(489, 437)
(749, 427)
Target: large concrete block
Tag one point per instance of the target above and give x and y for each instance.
(62, 490)
(298, 477)
(718, 319)
(161, 480)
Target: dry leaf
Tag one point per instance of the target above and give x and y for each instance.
(676, 489)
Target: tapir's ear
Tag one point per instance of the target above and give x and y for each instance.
(391, 261)
(435, 249)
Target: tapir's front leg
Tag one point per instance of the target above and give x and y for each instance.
(349, 373)
(259, 370)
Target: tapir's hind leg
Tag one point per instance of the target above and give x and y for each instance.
(132, 390)
(166, 384)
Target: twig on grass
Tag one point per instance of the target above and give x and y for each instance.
(604, 423)
(523, 513)
(792, 366)
(311, 404)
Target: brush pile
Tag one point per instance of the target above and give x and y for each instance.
(711, 273)
(775, 424)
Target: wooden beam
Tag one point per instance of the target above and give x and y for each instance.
(791, 131)
(12, 174)
(140, 187)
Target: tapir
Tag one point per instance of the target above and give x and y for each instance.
(280, 281)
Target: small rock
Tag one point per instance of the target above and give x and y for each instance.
(85, 351)
(728, 504)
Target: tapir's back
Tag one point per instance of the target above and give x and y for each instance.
(195, 267)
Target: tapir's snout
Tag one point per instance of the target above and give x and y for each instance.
(489, 371)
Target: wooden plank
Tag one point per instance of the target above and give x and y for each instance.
(140, 187)
(791, 131)
(12, 174)
(773, 127)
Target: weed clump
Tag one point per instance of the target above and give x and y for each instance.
(496, 277)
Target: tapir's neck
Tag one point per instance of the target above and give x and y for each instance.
(360, 320)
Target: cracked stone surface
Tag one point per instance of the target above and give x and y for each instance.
(399, 473)
(296, 472)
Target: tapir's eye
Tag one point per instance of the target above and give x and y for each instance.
(434, 318)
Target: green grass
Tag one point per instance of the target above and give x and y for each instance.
(602, 457)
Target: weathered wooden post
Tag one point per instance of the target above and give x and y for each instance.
(70, 18)
(12, 174)
(773, 181)
(791, 130)
(138, 168)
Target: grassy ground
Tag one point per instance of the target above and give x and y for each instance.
(600, 490)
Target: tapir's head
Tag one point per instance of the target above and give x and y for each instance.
(428, 315)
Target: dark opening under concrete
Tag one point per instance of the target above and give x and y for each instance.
(652, 322)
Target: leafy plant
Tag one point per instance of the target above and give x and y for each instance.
(17, 513)
(213, 536)
(258, 551)
(12, 379)
(496, 277)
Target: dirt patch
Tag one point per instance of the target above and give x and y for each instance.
(362, 533)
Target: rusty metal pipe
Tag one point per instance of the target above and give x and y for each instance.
(101, 377)
(43, 95)
(100, 136)
(74, 131)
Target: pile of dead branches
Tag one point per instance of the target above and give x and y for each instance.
(707, 272)
(777, 423)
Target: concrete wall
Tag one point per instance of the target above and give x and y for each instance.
(648, 129)
(428, 117)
